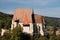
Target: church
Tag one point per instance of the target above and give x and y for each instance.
(29, 21)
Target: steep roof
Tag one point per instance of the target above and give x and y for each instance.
(38, 18)
(24, 15)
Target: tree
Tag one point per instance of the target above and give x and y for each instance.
(58, 37)
(7, 23)
(16, 33)
(42, 38)
(6, 36)
(52, 37)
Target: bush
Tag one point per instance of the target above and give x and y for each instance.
(16, 33)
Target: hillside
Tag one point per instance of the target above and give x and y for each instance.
(5, 20)
(52, 21)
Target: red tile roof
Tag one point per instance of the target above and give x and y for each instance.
(24, 15)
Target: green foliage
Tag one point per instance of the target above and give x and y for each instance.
(57, 37)
(6, 36)
(52, 21)
(50, 28)
(52, 37)
(7, 24)
(5, 20)
(42, 38)
(16, 33)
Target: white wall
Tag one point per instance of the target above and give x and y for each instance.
(41, 28)
(13, 25)
(30, 28)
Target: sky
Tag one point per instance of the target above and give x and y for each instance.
(42, 7)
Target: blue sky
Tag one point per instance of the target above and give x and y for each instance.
(42, 7)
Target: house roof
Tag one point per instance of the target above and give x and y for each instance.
(24, 15)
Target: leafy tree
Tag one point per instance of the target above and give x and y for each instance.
(7, 24)
(57, 37)
(52, 37)
(16, 33)
(1, 23)
(6, 36)
(5, 20)
(42, 38)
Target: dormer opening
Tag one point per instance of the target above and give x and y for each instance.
(26, 25)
